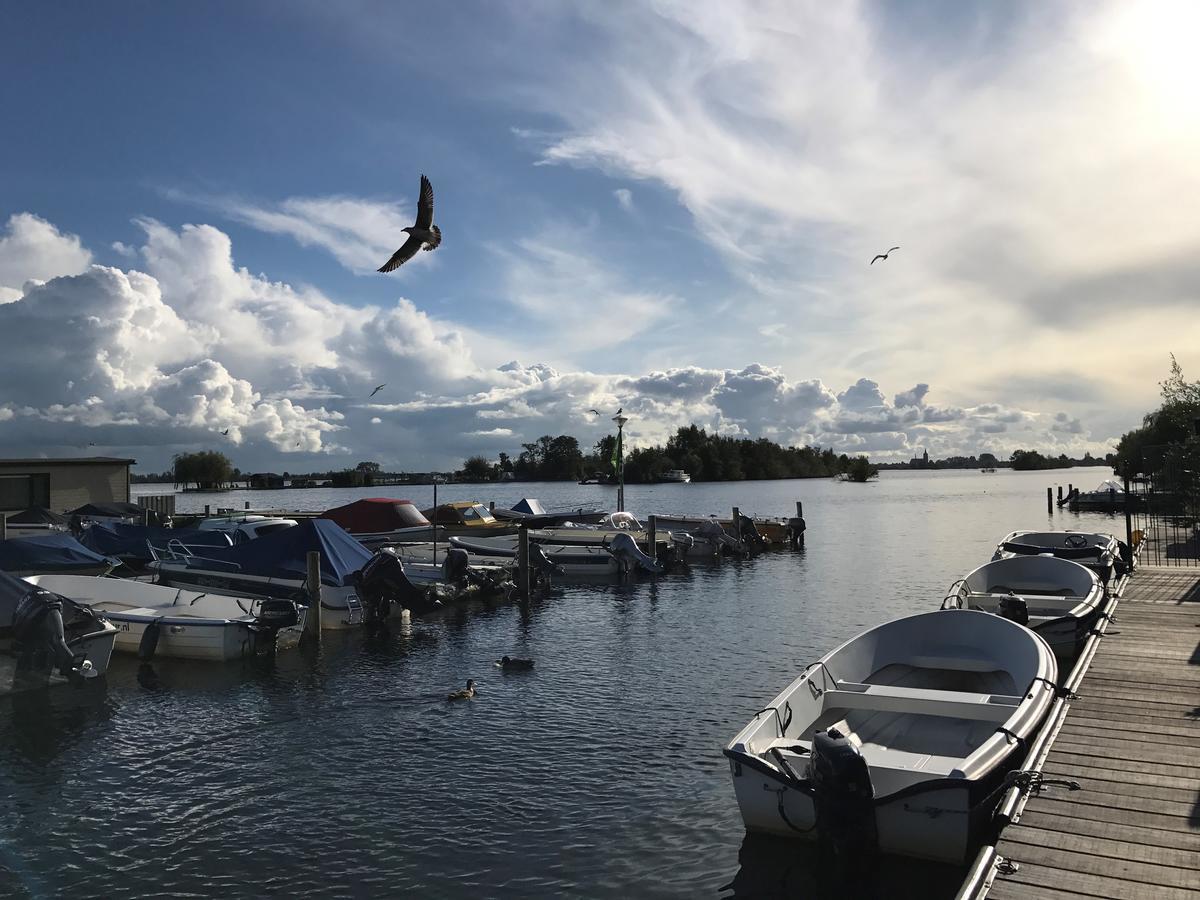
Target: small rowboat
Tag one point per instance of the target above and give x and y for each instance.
(899, 740)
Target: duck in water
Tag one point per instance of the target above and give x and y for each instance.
(466, 694)
(509, 662)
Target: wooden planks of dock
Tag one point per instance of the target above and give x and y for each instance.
(1132, 741)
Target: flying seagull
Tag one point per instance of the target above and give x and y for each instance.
(883, 255)
(423, 232)
(225, 432)
(377, 390)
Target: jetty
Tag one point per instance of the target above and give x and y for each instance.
(1130, 741)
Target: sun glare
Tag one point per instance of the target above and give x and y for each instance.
(1157, 40)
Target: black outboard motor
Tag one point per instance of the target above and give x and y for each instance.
(749, 534)
(455, 565)
(796, 529)
(1014, 609)
(38, 633)
(843, 798)
(383, 581)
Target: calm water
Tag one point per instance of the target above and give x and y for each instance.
(598, 774)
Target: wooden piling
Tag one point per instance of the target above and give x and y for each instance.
(1060, 495)
(652, 536)
(799, 509)
(312, 626)
(247, 506)
(523, 561)
(1050, 500)
(3, 528)
(491, 506)
(1070, 489)
(146, 515)
(207, 509)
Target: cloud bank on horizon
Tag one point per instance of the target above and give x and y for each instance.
(165, 357)
(700, 188)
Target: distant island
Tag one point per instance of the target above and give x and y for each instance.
(1021, 460)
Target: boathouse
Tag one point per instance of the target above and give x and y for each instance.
(62, 484)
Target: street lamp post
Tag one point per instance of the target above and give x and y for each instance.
(620, 420)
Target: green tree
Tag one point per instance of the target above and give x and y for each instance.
(859, 469)
(207, 470)
(477, 468)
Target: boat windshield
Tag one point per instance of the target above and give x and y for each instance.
(476, 515)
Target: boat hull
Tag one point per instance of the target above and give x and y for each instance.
(212, 640)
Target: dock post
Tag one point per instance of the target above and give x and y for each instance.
(736, 525)
(1070, 489)
(312, 626)
(3, 528)
(523, 560)
(207, 509)
(146, 516)
(799, 509)
(247, 506)
(1060, 495)
(1050, 500)
(1128, 517)
(652, 537)
(491, 506)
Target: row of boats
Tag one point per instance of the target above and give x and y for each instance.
(235, 585)
(903, 739)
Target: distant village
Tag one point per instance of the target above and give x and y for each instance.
(1020, 460)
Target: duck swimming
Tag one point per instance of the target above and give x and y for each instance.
(509, 662)
(466, 694)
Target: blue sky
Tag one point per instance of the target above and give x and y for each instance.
(665, 206)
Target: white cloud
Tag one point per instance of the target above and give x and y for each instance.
(33, 249)
(624, 198)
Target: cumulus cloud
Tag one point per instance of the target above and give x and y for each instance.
(33, 249)
(170, 357)
(624, 198)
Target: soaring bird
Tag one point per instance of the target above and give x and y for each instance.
(225, 432)
(423, 232)
(883, 255)
(382, 386)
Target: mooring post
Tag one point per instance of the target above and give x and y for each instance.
(1060, 495)
(312, 626)
(207, 509)
(1128, 517)
(3, 528)
(1070, 489)
(491, 506)
(523, 560)
(1050, 500)
(799, 509)
(736, 534)
(652, 536)
(247, 506)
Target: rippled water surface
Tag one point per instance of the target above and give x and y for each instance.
(598, 774)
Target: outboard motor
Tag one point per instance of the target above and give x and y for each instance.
(749, 534)
(712, 532)
(38, 633)
(796, 529)
(1014, 608)
(843, 797)
(544, 568)
(625, 548)
(455, 565)
(383, 581)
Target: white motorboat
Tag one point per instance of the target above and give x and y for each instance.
(1102, 553)
(48, 639)
(900, 739)
(1057, 598)
(356, 585)
(1108, 496)
(616, 554)
(153, 620)
(675, 476)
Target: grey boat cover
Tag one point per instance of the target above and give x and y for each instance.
(36, 515)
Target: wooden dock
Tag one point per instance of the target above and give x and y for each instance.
(1132, 742)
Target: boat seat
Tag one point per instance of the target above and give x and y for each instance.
(922, 701)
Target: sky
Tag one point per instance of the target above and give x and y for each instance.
(664, 207)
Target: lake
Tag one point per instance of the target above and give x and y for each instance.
(597, 774)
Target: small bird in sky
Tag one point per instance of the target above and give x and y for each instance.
(377, 390)
(883, 255)
(225, 432)
(424, 232)
(297, 443)
(597, 412)
(91, 443)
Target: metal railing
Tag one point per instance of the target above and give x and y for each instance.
(1162, 501)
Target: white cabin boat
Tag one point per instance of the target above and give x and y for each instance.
(899, 738)
(675, 476)
(1057, 598)
(181, 623)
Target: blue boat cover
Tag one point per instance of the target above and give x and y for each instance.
(129, 542)
(37, 515)
(47, 553)
(283, 554)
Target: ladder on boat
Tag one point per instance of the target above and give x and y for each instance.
(354, 609)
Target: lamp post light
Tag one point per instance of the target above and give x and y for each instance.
(620, 420)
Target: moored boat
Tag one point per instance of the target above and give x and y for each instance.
(675, 476)
(52, 552)
(48, 639)
(1102, 553)
(153, 620)
(376, 521)
(1057, 598)
(899, 739)
(529, 511)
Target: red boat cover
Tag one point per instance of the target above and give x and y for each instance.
(375, 515)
